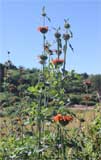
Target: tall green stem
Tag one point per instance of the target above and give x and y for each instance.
(44, 20)
(59, 140)
(44, 38)
(63, 146)
(65, 50)
(39, 126)
(58, 47)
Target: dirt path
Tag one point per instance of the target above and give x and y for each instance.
(82, 107)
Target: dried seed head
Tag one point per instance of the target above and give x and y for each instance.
(66, 36)
(57, 35)
(66, 25)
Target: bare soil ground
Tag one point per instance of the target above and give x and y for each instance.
(82, 107)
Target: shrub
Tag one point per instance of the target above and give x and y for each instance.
(3, 114)
(88, 103)
(75, 99)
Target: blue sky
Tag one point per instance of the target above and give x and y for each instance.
(19, 20)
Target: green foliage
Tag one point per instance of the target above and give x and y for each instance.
(37, 103)
(32, 109)
(88, 103)
(75, 99)
(20, 80)
(96, 80)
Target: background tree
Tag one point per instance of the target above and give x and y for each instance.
(96, 80)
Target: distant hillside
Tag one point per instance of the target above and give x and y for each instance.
(14, 83)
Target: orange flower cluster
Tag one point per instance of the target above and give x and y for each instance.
(43, 29)
(57, 118)
(57, 61)
(64, 120)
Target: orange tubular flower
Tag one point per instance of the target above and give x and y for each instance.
(43, 29)
(57, 118)
(67, 118)
(57, 61)
(63, 120)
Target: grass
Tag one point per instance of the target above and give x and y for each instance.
(88, 115)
